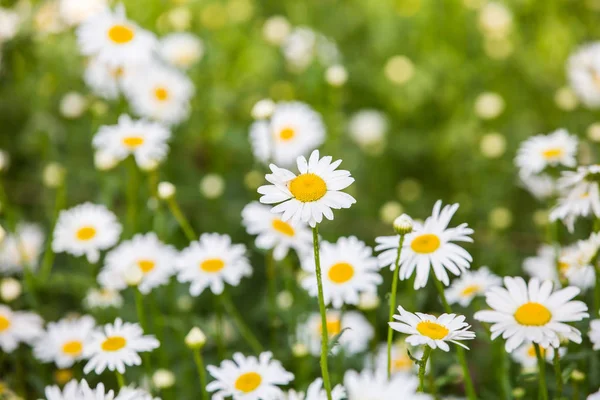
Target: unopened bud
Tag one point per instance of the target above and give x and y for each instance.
(403, 224)
(195, 339)
(166, 190)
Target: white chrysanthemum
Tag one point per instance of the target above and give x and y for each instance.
(9, 24)
(211, 262)
(470, 284)
(21, 249)
(74, 12)
(429, 246)
(525, 355)
(348, 269)
(316, 391)
(541, 151)
(85, 230)
(116, 346)
(155, 260)
(375, 385)
(583, 70)
(594, 333)
(401, 362)
(18, 327)
(273, 233)
(530, 311)
(103, 298)
(81, 391)
(181, 49)
(293, 130)
(542, 186)
(248, 378)
(145, 140)
(310, 195)
(576, 262)
(425, 329)
(543, 264)
(357, 334)
(64, 341)
(105, 80)
(368, 127)
(115, 40)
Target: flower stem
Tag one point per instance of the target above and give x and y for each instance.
(48, 259)
(395, 279)
(323, 311)
(201, 372)
(242, 327)
(181, 219)
(543, 393)
(132, 187)
(422, 366)
(139, 305)
(270, 270)
(120, 379)
(558, 373)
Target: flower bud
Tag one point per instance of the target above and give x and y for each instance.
(163, 379)
(403, 224)
(195, 339)
(166, 190)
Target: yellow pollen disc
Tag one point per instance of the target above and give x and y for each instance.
(531, 351)
(121, 34)
(4, 323)
(334, 326)
(432, 330)
(552, 154)
(62, 376)
(117, 72)
(283, 227)
(114, 343)
(402, 363)
(563, 266)
(212, 265)
(584, 196)
(424, 244)
(341, 272)
(469, 290)
(533, 314)
(287, 134)
(161, 93)
(308, 187)
(72, 348)
(133, 141)
(146, 265)
(86, 233)
(248, 382)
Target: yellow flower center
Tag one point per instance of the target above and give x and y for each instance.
(533, 314)
(531, 351)
(117, 72)
(425, 244)
(432, 330)
(161, 93)
(341, 272)
(121, 34)
(146, 265)
(133, 141)
(62, 376)
(248, 382)
(86, 233)
(286, 134)
(552, 154)
(212, 265)
(308, 187)
(4, 323)
(563, 266)
(402, 363)
(283, 227)
(334, 326)
(114, 343)
(73, 348)
(469, 290)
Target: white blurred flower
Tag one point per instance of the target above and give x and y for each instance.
(182, 50)
(21, 249)
(166, 190)
(336, 75)
(212, 186)
(493, 145)
(18, 327)
(9, 24)
(558, 148)
(54, 175)
(263, 109)
(163, 378)
(470, 284)
(276, 29)
(10, 289)
(74, 12)
(102, 298)
(489, 105)
(399, 69)
(583, 70)
(495, 19)
(368, 127)
(73, 105)
(542, 186)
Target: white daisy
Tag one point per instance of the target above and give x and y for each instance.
(525, 355)
(18, 327)
(315, 391)
(105, 80)
(401, 362)
(580, 195)
(310, 195)
(368, 127)
(64, 341)
(273, 233)
(102, 298)
(86, 229)
(21, 249)
(348, 269)
(543, 264)
(429, 246)
(470, 284)
(74, 12)
(542, 186)
(117, 345)
(248, 378)
(583, 70)
(594, 333)
(532, 312)
(81, 391)
(375, 385)
(155, 259)
(425, 329)
(541, 151)
(576, 262)
(211, 262)
(181, 49)
(293, 130)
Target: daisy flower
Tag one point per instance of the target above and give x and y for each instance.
(401, 362)
(530, 311)
(21, 249)
(541, 151)
(86, 230)
(106, 80)
(117, 345)
(525, 355)
(18, 327)
(181, 50)
(425, 329)
(594, 333)
(310, 195)
(64, 341)
(102, 298)
(576, 262)
(375, 385)
(293, 130)
(543, 265)
(211, 262)
(470, 284)
(248, 378)
(583, 70)
(81, 391)
(155, 259)
(74, 12)
(315, 391)
(429, 246)
(273, 233)
(348, 269)
(542, 186)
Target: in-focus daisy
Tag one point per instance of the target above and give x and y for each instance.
(273, 233)
(425, 329)
(580, 196)
(86, 230)
(594, 333)
(429, 246)
(470, 284)
(532, 312)
(543, 264)
(541, 151)
(293, 130)
(116, 346)
(310, 195)
(583, 70)
(74, 12)
(181, 49)
(525, 355)
(155, 259)
(64, 341)
(18, 327)
(315, 391)
(21, 249)
(102, 298)
(348, 268)
(248, 378)
(106, 80)
(375, 385)
(211, 262)
(401, 362)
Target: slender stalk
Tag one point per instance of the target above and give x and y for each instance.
(48, 259)
(120, 379)
(219, 332)
(543, 393)
(139, 306)
(558, 373)
(270, 270)
(395, 279)
(241, 325)
(422, 366)
(201, 373)
(323, 311)
(132, 187)
(181, 219)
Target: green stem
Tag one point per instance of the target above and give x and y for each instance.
(132, 187)
(395, 279)
(181, 219)
(422, 366)
(270, 270)
(48, 259)
(242, 327)
(120, 379)
(558, 372)
(543, 391)
(201, 373)
(139, 305)
(219, 331)
(323, 311)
